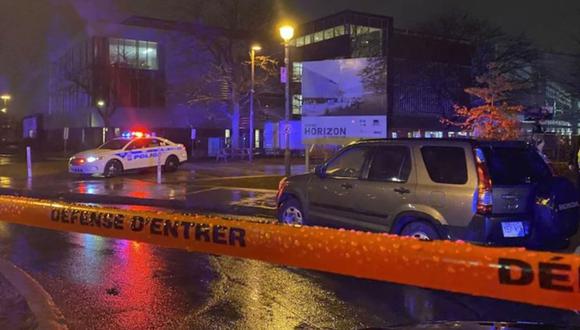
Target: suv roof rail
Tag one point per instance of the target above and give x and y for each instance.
(469, 140)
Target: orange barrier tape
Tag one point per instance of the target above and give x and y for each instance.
(538, 278)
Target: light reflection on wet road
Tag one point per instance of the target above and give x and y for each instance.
(99, 282)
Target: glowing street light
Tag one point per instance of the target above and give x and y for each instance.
(100, 103)
(3, 110)
(253, 51)
(5, 98)
(287, 32)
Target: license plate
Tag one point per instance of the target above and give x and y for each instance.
(513, 229)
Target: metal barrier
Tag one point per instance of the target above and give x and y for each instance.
(515, 274)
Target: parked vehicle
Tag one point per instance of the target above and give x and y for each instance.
(136, 151)
(500, 193)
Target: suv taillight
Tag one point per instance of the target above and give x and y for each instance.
(484, 194)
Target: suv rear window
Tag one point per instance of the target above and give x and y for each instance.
(445, 164)
(511, 166)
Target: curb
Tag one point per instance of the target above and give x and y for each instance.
(47, 314)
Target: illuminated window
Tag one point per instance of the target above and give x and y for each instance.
(133, 53)
(318, 36)
(434, 134)
(338, 30)
(297, 104)
(299, 41)
(297, 71)
(307, 39)
(227, 133)
(328, 33)
(257, 138)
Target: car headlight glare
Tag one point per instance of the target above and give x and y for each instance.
(93, 159)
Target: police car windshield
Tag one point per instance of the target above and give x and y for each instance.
(115, 144)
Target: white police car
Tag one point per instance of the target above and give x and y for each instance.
(129, 152)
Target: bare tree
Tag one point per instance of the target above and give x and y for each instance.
(225, 30)
(508, 54)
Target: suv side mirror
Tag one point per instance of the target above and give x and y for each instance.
(320, 171)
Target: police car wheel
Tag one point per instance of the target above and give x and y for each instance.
(171, 164)
(420, 230)
(290, 212)
(113, 168)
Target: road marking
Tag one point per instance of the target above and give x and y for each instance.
(201, 191)
(47, 314)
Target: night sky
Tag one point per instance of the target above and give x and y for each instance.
(550, 23)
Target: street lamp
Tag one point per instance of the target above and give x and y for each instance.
(5, 98)
(287, 32)
(253, 51)
(3, 110)
(100, 103)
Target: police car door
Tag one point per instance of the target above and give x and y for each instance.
(137, 156)
(153, 148)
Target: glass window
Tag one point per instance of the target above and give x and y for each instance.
(257, 138)
(348, 164)
(133, 53)
(362, 29)
(329, 33)
(114, 144)
(138, 144)
(297, 71)
(390, 163)
(318, 36)
(307, 39)
(338, 30)
(299, 41)
(445, 164)
(152, 143)
(297, 104)
(148, 55)
(511, 166)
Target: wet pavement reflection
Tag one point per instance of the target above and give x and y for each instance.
(100, 282)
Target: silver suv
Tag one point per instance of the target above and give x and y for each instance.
(501, 193)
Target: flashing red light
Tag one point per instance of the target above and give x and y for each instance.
(134, 134)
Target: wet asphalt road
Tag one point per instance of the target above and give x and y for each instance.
(107, 283)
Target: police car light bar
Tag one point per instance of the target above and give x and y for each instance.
(134, 134)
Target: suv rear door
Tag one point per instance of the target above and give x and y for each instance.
(388, 184)
(446, 182)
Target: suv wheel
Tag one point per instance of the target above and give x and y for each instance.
(290, 212)
(420, 230)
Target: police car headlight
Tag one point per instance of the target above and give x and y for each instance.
(93, 159)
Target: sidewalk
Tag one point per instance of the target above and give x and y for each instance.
(14, 311)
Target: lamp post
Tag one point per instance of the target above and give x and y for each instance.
(253, 51)
(287, 32)
(101, 104)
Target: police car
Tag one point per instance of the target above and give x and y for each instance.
(131, 151)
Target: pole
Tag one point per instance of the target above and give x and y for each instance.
(28, 163)
(307, 158)
(287, 111)
(253, 70)
(159, 165)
